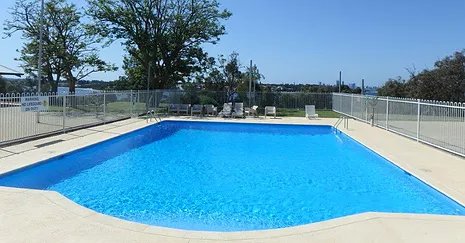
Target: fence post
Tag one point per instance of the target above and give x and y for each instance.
(104, 107)
(340, 102)
(137, 102)
(366, 108)
(155, 98)
(418, 120)
(130, 104)
(64, 113)
(352, 105)
(387, 113)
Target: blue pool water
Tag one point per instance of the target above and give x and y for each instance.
(232, 177)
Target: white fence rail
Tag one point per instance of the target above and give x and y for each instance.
(23, 116)
(440, 124)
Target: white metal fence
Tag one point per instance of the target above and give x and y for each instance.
(440, 124)
(24, 116)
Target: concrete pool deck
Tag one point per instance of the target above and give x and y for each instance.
(45, 216)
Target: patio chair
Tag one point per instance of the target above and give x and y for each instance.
(226, 110)
(184, 108)
(251, 111)
(238, 110)
(211, 110)
(173, 108)
(270, 110)
(196, 109)
(310, 112)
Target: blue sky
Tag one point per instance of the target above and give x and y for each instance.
(310, 41)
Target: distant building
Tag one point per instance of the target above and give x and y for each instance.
(352, 85)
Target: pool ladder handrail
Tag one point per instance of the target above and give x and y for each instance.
(341, 119)
(153, 115)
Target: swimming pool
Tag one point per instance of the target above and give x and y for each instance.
(232, 177)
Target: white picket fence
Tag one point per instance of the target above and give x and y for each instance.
(437, 123)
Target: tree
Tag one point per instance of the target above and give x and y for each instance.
(394, 88)
(222, 74)
(446, 81)
(213, 77)
(70, 51)
(250, 73)
(164, 37)
(3, 85)
(231, 70)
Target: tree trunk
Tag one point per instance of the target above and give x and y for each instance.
(72, 88)
(72, 84)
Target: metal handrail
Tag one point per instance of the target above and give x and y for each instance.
(341, 119)
(338, 122)
(153, 115)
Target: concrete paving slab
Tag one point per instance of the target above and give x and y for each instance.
(26, 146)
(4, 153)
(82, 132)
(103, 128)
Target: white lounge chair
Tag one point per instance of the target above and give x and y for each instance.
(184, 108)
(270, 110)
(173, 108)
(196, 109)
(251, 111)
(178, 108)
(310, 112)
(226, 110)
(238, 110)
(211, 110)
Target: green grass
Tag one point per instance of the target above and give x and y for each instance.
(327, 114)
(124, 106)
(284, 112)
(111, 107)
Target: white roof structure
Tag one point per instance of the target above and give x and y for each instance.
(8, 71)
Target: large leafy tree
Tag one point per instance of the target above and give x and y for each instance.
(393, 88)
(446, 81)
(70, 51)
(163, 38)
(251, 74)
(232, 70)
(3, 85)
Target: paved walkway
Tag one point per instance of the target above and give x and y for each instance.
(45, 216)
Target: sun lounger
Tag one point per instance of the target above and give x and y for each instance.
(238, 110)
(184, 108)
(251, 111)
(310, 112)
(226, 110)
(178, 108)
(173, 108)
(270, 110)
(196, 109)
(211, 110)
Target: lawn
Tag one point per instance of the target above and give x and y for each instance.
(124, 107)
(117, 107)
